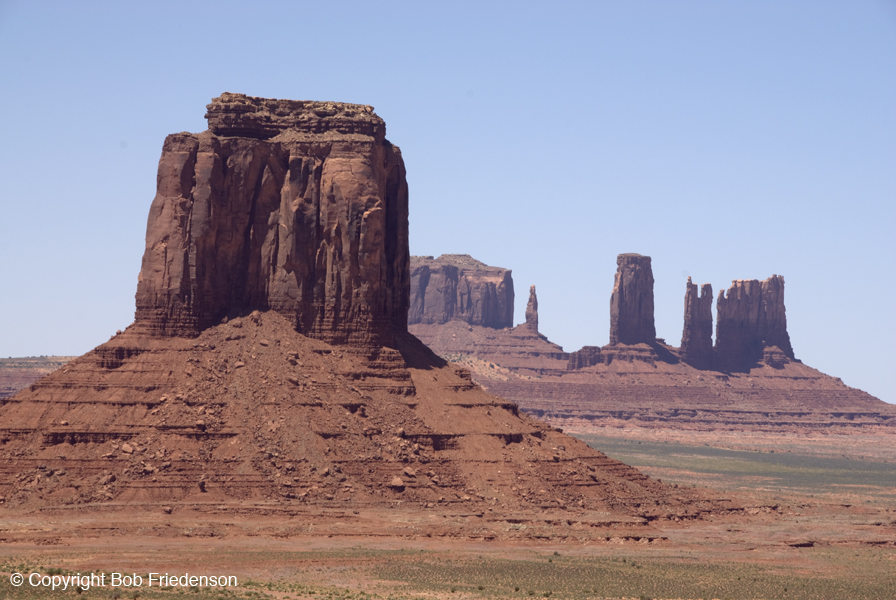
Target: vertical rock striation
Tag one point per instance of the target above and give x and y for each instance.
(532, 310)
(696, 337)
(631, 305)
(585, 357)
(457, 287)
(300, 207)
(751, 318)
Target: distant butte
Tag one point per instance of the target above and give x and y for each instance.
(750, 378)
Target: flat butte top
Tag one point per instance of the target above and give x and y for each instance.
(239, 115)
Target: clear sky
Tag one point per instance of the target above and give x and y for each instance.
(727, 140)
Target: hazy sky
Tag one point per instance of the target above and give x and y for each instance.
(727, 140)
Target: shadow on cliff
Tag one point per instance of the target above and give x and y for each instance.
(664, 354)
(416, 354)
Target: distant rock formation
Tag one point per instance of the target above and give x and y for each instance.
(532, 309)
(588, 356)
(696, 337)
(751, 318)
(754, 383)
(459, 287)
(631, 305)
(300, 207)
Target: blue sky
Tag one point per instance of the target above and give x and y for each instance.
(727, 140)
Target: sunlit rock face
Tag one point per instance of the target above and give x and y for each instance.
(300, 207)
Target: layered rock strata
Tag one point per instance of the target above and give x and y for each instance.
(696, 336)
(750, 319)
(19, 373)
(297, 207)
(459, 287)
(631, 304)
(586, 356)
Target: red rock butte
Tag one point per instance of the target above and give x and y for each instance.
(750, 378)
(296, 207)
(269, 366)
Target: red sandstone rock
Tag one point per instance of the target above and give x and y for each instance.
(299, 207)
(696, 337)
(631, 305)
(648, 384)
(459, 287)
(532, 309)
(587, 356)
(751, 317)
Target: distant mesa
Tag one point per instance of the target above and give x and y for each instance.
(457, 287)
(749, 378)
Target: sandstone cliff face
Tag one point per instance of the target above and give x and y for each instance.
(587, 356)
(532, 310)
(459, 287)
(631, 305)
(696, 337)
(751, 318)
(299, 207)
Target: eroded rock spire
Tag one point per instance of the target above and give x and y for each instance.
(532, 309)
(696, 336)
(631, 305)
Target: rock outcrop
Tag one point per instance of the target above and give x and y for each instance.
(532, 310)
(631, 305)
(298, 207)
(459, 287)
(587, 356)
(696, 336)
(751, 318)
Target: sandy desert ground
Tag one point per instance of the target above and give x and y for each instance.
(822, 525)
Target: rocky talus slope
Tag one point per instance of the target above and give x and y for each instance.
(252, 412)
